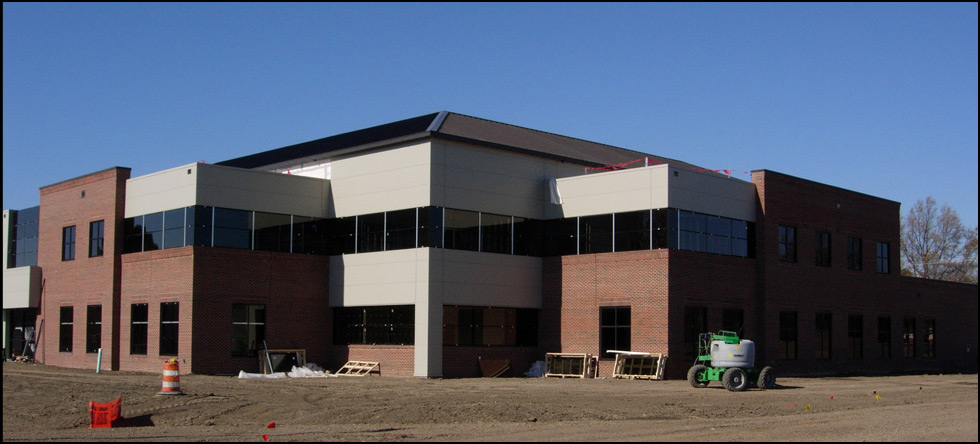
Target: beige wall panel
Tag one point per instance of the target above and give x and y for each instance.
(712, 194)
(614, 191)
(262, 191)
(381, 278)
(22, 287)
(161, 191)
(489, 280)
(390, 200)
(494, 181)
(381, 180)
(227, 187)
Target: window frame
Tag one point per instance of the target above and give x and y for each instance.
(855, 256)
(139, 328)
(787, 243)
(93, 329)
(789, 335)
(169, 329)
(68, 243)
(823, 249)
(620, 327)
(66, 330)
(882, 258)
(255, 328)
(96, 238)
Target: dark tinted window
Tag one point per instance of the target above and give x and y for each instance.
(462, 230)
(96, 238)
(370, 232)
(595, 234)
(139, 320)
(173, 228)
(400, 229)
(633, 231)
(496, 233)
(272, 231)
(232, 228)
(152, 231)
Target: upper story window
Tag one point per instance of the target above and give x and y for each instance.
(787, 243)
(23, 237)
(854, 253)
(68, 243)
(701, 232)
(882, 263)
(96, 238)
(822, 248)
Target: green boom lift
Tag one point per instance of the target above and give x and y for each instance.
(724, 357)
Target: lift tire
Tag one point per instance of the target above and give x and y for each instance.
(767, 378)
(695, 373)
(734, 380)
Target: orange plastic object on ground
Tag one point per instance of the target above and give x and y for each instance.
(103, 414)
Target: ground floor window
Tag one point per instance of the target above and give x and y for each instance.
(169, 328)
(695, 323)
(824, 331)
(489, 326)
(66, 330)
(247, 329)
(855, 336)
(930, 339)
(614, 330)
(93, 330)
(787, 335)
(884, 337)
(138, 323)
(908, 338)
(385, 325)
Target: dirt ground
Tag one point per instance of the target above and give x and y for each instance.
(43, 403)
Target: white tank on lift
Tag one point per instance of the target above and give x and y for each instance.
(741, 355)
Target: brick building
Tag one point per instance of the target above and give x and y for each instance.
(429, 243)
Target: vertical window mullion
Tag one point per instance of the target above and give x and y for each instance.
(614, 232)
(513, 239)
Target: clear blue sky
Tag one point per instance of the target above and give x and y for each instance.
(877, 98)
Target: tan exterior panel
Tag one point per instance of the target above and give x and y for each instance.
(227, 187)
(386, 179)
(660, 186)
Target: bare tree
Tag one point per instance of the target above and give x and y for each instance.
(936, 245)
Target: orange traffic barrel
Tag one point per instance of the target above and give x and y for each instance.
(171, 378)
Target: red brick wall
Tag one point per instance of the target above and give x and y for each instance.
(464, 362)
(152, 278)
(293, 288)
(206, 282)
(83, 281)
(637, 279)
(395, 360)
(807, 289)
(713, 282)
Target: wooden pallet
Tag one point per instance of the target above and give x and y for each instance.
(571, 365)
(359, 368)
(639, 366)
(492, 368)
